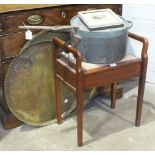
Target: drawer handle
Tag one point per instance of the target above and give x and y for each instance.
(34, 19)
(89, 9)
(63, 14)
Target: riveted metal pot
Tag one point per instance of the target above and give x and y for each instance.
(100, 46)
(103, 45)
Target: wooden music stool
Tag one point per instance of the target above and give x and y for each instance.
(80, 77)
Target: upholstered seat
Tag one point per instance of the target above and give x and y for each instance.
(88, 66)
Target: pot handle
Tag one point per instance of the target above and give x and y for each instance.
(130, 23)
(54, 28)
(76, 39)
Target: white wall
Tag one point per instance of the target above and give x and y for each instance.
(143, 17)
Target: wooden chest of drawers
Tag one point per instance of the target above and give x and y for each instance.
(12, 39)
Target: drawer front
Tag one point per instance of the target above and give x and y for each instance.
(0, 27)
(72, 11)
(53, 16)
(0, 23)
(47, 18)
(12, 44)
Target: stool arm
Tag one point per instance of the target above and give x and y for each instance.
(144, 42)
(60, 43)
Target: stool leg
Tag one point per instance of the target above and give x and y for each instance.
(141, 87)
(58, 99)
(79, 98)
(113, 95)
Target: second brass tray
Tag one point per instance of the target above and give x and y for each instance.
(29, 83)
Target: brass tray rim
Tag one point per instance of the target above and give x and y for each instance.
(26, 46)
(66, 113)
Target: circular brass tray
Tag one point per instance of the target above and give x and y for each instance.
(29, 83)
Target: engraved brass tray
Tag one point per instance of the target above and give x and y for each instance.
(29, 83)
